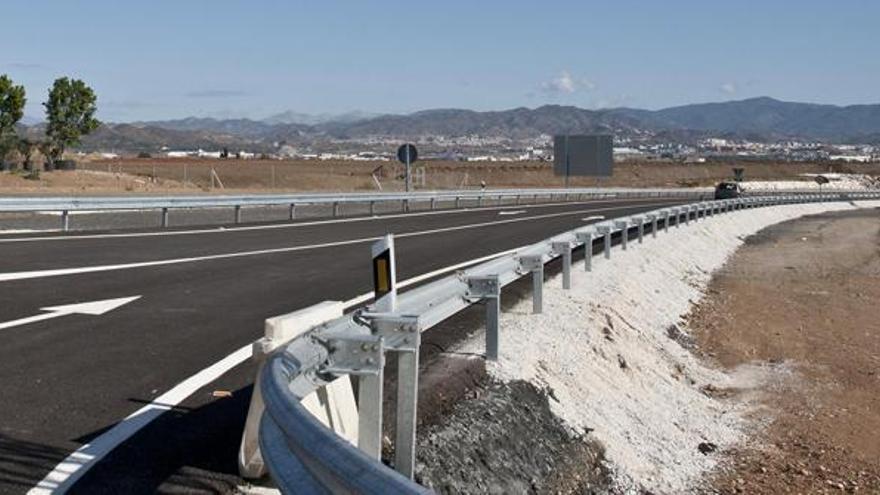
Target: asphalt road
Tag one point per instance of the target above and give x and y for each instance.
(202, 295)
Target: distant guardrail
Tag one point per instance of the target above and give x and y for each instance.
(308, 352)
(434, 199)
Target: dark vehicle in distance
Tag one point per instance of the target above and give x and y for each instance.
(727, 190)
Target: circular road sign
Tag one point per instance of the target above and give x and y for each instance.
(402, 153)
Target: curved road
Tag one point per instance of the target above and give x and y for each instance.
(197, 296)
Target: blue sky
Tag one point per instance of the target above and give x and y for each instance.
(169, 59)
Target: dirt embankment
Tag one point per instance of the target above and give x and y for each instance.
(802, 297)
(189, 175)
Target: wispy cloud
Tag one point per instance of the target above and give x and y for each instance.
(565, 83)
(729, 88)
(217, 93)
(25, 66)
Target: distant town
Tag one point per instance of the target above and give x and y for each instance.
(481, 149)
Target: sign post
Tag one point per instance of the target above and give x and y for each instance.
(407, 154)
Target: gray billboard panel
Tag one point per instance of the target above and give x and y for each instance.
(583, 155)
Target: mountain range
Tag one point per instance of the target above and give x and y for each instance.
(760, 119)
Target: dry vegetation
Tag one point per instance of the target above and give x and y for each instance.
(187, 175)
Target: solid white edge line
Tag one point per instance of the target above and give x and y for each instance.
(72, 468)
(217, 230)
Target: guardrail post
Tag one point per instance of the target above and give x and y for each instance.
(640, 222)
(407, 401)
(653, 218)
(517, 199)
(164, 218)
(605, 230)
(687, 214)
(623, 225)
(402, 335)
(489, 291)
(564, 249)
(372, 208)
(535, 264)
(65, 221)
(500, 200)
(292, 214)
(404, 205)
(480, 201)
(237, 213)
(458, 202)
(335, 209)
(587, 239)
(370, 414)
(433, 203)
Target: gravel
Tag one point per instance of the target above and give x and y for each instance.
(606, 351)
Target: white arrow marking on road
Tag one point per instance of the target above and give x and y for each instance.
(87, 308)
(514, 212)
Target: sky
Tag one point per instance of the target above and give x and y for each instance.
(158, 59)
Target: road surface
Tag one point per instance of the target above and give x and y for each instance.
(165, 305)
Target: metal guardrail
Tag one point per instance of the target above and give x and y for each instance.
(458, 198)
(304, 456)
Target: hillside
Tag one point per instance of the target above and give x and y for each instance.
(761, 119)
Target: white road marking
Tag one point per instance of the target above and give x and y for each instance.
(87, 308)
(72, 468)
(594, 217)
(6, 277)
(512, 212)
(216, 230)
(65, 474)
(23, 231)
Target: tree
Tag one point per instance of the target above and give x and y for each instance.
(70, 113)
(12, 100)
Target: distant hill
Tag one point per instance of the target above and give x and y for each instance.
(515, 123)
(132, 138)
(773, 117)
(237, 127)
(291, 117)
(757, 116)
(755, 119)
